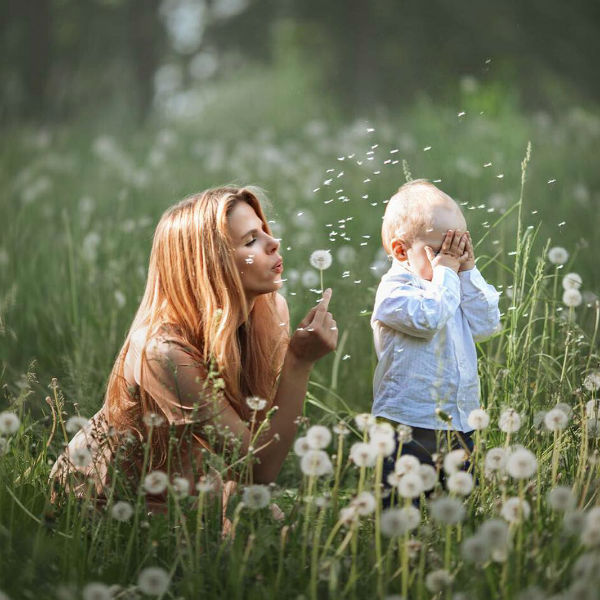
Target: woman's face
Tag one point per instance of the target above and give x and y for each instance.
(256, 252)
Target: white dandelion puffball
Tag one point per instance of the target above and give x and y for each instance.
(398, 521)
(318, 437)
(121, 511)
(407, 463)
(364, 421)
(348, 515)
(301, 446)
(156, 482)
(153, 581)
(95, 591)
(256, 496)
(316, 463)
(591, 408)
(515, 510)
(309, 279)
(478, 419)
(381, 429)
(341, 429)
(181, 487)
(207, 484)
(556, 419)
(475, 550)
(592, 517)
(573, 521)
(447, 510)
(346, 255)
(592, 381)
(566, 408)
(510, 421)
(590, 536)
(256, 403)
(495, 459)
(521, 464)
(404, 433)
(362, 454)
(437, 581)
(561, 499)
(410, 485)
(9, 423)
(153, 419)
(454, 460)
(80, 457)
(460, 483)
(429, 476)
(364, 503)
(495, 533)
(572, 281)
(572, 298)
(75, 423)
(593, 427)
(321, 259)
(558, 255)
(383, 445)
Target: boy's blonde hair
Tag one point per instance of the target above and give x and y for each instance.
(407, 213)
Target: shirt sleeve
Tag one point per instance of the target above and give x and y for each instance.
(479, 303)
(404, 306)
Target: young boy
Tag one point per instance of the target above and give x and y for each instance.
(430, 308)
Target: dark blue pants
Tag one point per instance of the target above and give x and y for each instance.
(424, 445)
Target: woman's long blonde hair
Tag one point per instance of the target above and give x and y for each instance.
(194, 287)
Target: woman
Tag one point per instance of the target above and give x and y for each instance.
(211, 331)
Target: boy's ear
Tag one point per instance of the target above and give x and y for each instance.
(399, 248)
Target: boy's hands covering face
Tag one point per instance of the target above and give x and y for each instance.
(453, 253)
(469, 263)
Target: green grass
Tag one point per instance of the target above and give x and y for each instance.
(77, 227)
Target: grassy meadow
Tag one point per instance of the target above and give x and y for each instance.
(78, 211)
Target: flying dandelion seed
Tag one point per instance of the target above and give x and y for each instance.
(551, 180)
(427, 148)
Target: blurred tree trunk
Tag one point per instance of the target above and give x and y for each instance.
(145, 36)
(37, 54)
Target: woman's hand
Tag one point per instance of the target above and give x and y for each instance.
(317, 333)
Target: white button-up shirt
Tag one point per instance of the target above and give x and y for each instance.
(424, 334)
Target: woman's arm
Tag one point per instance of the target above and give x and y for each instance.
(180, 389)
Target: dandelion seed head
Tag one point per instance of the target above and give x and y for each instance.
(80, 457)
(153, 581)
(572, 281)
(348, 515)
(437, 581)
(447, 510)
(558, 255)
(404, 433)
(478, 419)
(494, 532)
(341, 429)
(181, 487)
(556, 420)
(510, 421)
(460, 483)
(590, 535)
(318, 437)
(592, 408)
(515, 510)
(381, 429)
(574, 521)
(316, 463)
(75, 423)
(302, 446)
(383, 445)
(410, 485)
(121, 511)
(9, 423)
(398, 521)
(561, 498)
(95, 591)
(256, 496)
(364, 421)
(475, 550)
(429, 476)
(156, 482)
(592, 381)
(572, 298)
(521, 464)
(362, 454)
(152, 419)
(255, 403)
(407, 463)
(364, 503)
(206, 484)
(454, 460)
(321, 259)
